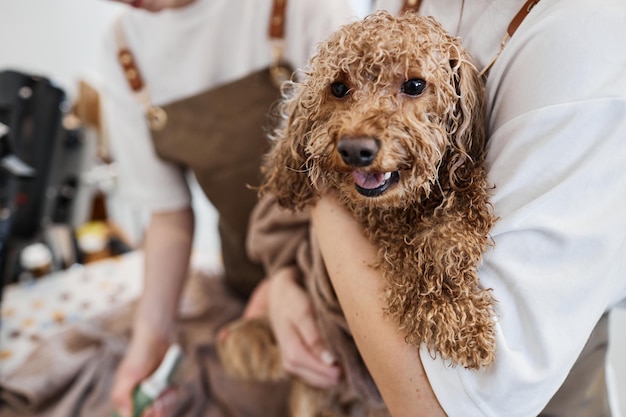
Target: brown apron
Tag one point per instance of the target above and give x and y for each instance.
(221, 135)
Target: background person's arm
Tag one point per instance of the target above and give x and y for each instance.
(167, 250)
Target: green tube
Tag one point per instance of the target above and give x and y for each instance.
(149, 389)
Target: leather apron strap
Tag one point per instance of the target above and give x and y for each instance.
(515, 23)
(413, 6)
(156, 117)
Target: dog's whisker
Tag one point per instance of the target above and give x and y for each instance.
(299, 171)
(438, 183)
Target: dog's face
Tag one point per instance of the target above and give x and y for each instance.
(388, 106)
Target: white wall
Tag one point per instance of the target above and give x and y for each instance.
(58, 39)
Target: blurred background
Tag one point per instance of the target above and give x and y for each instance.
(49, 55)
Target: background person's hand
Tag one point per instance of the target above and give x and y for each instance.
(257, 304)
(146, 351)
(164, 405)
(293, 322)
(156, 5)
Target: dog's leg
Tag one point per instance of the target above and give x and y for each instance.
(434, 292)
(308, 401)
(249, 351)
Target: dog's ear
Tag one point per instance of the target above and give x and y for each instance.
(466, 123)
(285, 168)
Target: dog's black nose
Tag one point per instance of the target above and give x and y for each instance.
(358, 152)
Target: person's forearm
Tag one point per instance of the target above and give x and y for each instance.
(395, 366)
(167, 248)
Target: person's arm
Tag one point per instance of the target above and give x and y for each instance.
(167, 250)
(169, 238)
(395, 366)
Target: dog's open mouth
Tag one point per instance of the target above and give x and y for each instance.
(373, 184)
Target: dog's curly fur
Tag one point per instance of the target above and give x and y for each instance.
(390, 114)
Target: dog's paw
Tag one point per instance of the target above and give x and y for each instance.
(248, 350)
(469, 343)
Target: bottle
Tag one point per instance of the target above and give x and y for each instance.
(92, 239)
(36, 260)
(153, 386)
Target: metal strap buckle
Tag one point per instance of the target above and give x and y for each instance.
(157, 118)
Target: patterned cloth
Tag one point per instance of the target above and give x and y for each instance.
(34, 311)
(70, 370)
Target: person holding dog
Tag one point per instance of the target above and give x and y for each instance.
(182, 48)
(556, 144)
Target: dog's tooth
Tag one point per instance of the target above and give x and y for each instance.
(387, 175)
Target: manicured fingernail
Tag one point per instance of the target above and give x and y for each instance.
(327, 358)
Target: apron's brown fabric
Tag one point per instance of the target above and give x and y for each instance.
(221, 135)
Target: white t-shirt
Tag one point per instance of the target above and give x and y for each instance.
(557, 155)
(181, 52)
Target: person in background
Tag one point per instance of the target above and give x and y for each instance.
(156, 5)
(556, 125)
(185, 48)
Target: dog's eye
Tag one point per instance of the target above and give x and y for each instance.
(339, 89)
(414, 87)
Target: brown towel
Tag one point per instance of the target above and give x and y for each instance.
(70, 371)
(278, 238)
(71, 374)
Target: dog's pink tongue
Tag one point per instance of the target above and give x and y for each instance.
(368, 180)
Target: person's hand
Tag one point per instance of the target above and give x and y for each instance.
(293, 321)
(156, 5)
(257, 304)
(145, 353)
(255, 307)
(163, 406)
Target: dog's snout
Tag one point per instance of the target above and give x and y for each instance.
(358, 152)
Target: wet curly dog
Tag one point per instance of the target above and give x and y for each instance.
(390, 115)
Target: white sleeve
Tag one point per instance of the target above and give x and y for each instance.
(556, 157)
(144, 179)
(558, 261)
